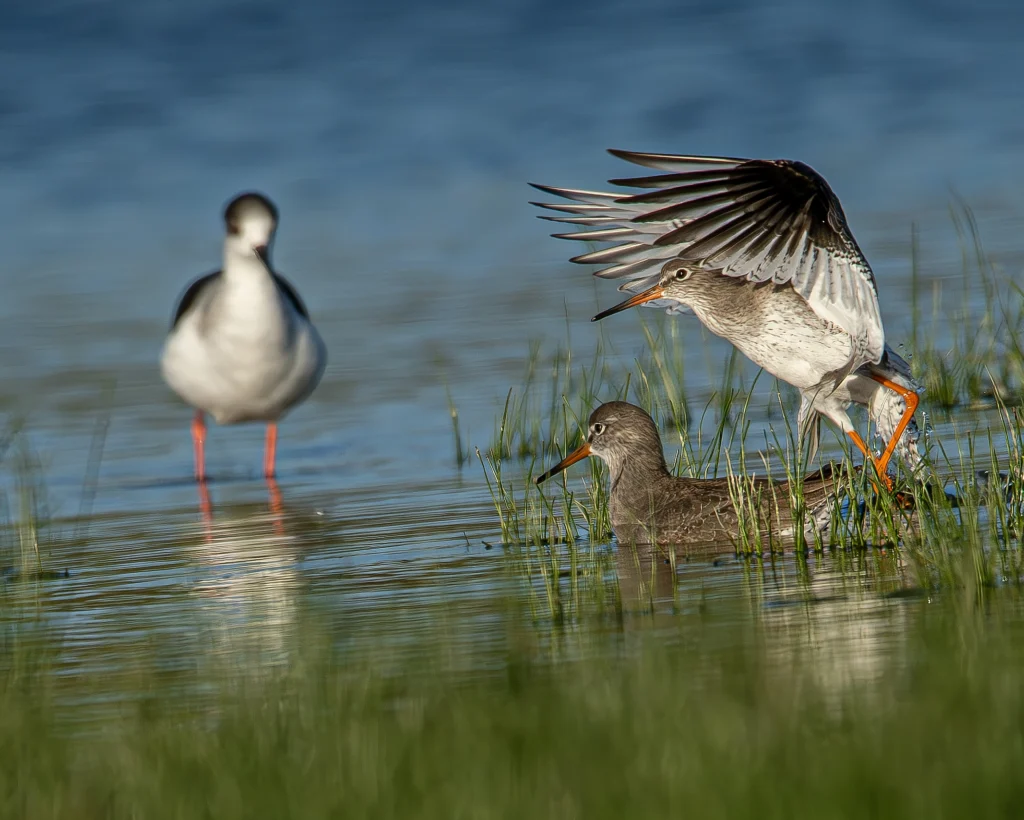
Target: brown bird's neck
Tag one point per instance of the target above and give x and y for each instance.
(639, 471)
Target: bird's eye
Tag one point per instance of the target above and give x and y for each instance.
(598, 429)
(682, 273)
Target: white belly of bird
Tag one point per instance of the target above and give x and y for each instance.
(244, 370)
(798, 348)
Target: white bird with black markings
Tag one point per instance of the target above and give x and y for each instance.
(242, 347)
(761, 252)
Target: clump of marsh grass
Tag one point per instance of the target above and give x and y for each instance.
(701, 444)
(533, 409)
(965, 529)
(540, 534)
(757, 507)
(542, 544)
(956, 530)
(956, 539)
(30, 528)
(461, 456)
(968, 356)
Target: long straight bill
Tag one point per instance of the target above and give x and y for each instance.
(578, 454)
(649, 295)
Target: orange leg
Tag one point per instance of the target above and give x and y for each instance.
(270, 451)
(206, 508)
(198, 444)
(859, 442)
(910, 399)
(276, 506)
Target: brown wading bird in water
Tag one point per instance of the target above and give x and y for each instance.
(760, 251)
(648, 504)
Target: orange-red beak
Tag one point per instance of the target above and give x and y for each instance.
(649, 295)
(578, 454)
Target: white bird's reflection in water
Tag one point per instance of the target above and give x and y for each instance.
(248, 584)
(840, 619)
(840, 624)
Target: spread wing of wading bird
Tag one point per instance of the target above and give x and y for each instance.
(648, 504)
(241, 345)
(760, 251)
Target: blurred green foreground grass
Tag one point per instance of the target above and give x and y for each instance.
(721, 721)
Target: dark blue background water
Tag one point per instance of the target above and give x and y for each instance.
(397, 140)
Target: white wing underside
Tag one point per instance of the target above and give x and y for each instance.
(722, 216)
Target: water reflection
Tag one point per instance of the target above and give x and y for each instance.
(276, 505)
(650, 577)
(250, 584)
(841, 623)
(841, 618)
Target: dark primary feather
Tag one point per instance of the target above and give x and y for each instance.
(781, 197)
(724, 211)
(670, 162)
(753, 219)
(197, 286)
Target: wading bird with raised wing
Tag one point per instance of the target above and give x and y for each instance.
(761, 252)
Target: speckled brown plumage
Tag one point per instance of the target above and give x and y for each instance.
(648, 504)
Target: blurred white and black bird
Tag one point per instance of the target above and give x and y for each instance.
(241, 347)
